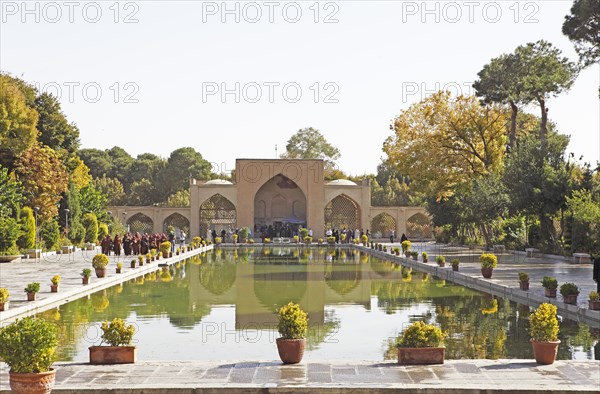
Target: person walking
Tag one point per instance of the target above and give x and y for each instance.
(392, 236)
(181, 239)
(596, 272)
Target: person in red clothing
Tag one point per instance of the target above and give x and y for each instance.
(117, 245)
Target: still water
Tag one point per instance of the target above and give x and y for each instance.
(221, 306)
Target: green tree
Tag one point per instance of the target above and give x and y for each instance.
(102, 231)
(90, 222)
(547, 74)
(309, 143)
(121, 163)
(98, 161)
(27, 237)
(586, 222)
(54, 129)
(179, 199)
(44, 178)
(582, 27)
(143, 193)
(9, 233)
(145, 166)
(183, 164)
(94, 201)
(50, 233)
(112, 189)
(11, 194)
(17, 122)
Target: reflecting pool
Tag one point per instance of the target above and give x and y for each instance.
(221, 306)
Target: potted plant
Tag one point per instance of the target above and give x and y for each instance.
(421, 343)
(331, 240)
(569, 292)
(234, 237)
(119, 267)
(28, 348)
(149, 258)
(99, 262)
(118, 336)
(406, 248)
(4, 299)
(488, 261)
(31, 290)
(364, 239)
(132, 262)
(523, 281)
(55, 282)
(308, 240)
(177, 251)
(550, 285)
(292, 326)
(441, 261)
(425, 257)
(455, 263)
(85, 276)
(165, 248)
(543, 329)
(594, 301)
(320, 241)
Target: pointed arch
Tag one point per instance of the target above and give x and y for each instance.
(418, 226)
(342, 212)
(284, 204)
(217, 213)
(178, 221)
(140, 223)
(383, 223)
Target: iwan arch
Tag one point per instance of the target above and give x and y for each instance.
(279, 192)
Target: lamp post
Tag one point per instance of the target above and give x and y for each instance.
(36, 210)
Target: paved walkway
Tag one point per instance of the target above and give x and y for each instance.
(458, 376)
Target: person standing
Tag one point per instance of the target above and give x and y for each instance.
(392, 236)
(117, 245)
(181, 239)
(596, 272)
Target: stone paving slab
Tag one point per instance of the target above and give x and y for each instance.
(477, 376)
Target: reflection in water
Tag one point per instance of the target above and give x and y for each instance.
(224, 301)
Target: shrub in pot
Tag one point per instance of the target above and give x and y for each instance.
(523, 280)
(550, 285)
(425, 257)
(543, 329)
(118, 335)
(99, 262)
(414, 255)
(292, 326)
(119, 267)
(364, 239)
(234, 237)
(405, 246)
(165, 249)
(441, 261)
(55, 280)
(132, 262)
(31, 290)
(4, 294)
(488, 261)
(308, 240)
(86, 273)
(455, 263)
(28, 347)
(594, 301)
(421, 343)
(569, 292)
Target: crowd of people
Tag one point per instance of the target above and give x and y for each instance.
(139, 244)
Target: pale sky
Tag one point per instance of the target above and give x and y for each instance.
(154, 84)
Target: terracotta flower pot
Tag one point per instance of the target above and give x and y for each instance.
(442, 265)
(32, 383)
(455, 268)
(30, 296)
(118, 270)
(53, 288)
(4, 306)
(113, 354)
(132, 264)
(291, 351)
(421, 355)
(85, 280)
(593, 305)
(524, 285)
(100, 272)
(545, 352)
(550, 292)
(570, 299)
(487, 272)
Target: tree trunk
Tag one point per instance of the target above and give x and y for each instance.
(544, 122)
(512, 137)
(547, 232)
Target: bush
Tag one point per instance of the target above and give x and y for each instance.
(303, 232)
(100, 261)
(196, 241)
(594, 296)
(330, 239)
(488, 260)
(102, 231)
(28, 345)
(544, 324)
(76, 233)
(414, 255)
(218, 240)
(55, 280)
(90, 222)
(455, 262)
(50, 233)
(421, 334)
(165, 247)
(244, 233)
(308, 239)
(33, 287)
(364, 238)
(424, 255)
(549, 282)
(86, 273)
(569, 289)
(27, 238)
(3, 295)
(293, 322)
(116, 333)
(406, 246)
(440, 259)
(9, 233)
(523, 277)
